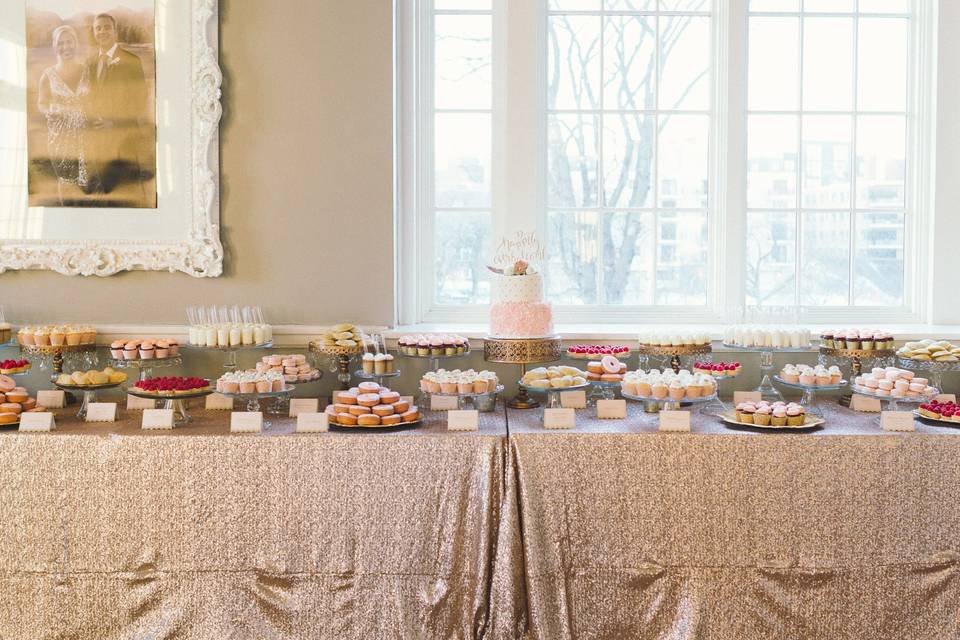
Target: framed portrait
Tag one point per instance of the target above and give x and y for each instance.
(109, 116)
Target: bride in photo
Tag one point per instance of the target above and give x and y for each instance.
(63, 91)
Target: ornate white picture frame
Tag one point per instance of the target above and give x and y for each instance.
(183, 232)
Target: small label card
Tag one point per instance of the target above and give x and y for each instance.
(218, 402)
(468, 420)
(134, 403)
(246, 422)
(675, 421)
(408, 400)
(51, 399)
(573, 399)
(611, 409)
(157, 419)
(946, 397)
(863, 403)
(444, 403)
(102, 412)
(312, 422)
(559, 419)
(746, 396)
(37, 421)
(897, 421)
(303, 405)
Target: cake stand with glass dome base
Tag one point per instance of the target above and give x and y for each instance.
(932, 367)
(669, 404)
(675, 354)
(809, 399)
(855, 360)
(230, 352)
(177, 402)
(521, 351)
(767, 391)
(145, 365)
(81, 356)
(253, 399)
(89, 392)
(339, 359)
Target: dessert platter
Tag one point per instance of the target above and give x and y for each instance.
(893, 385)
(340, 343)
(668, 389)
(767, 340)
(54, 342)
(228, 331)
(810, 380)
(145, 354)
(934, 356)
(939, 413)
(672, 345)
(89, 383)
(720, 371)
(14, 401)
(15, 367)
(774, 416)
(174, 391)
(478, 387)
(552, 381)
(595, 352)
(521, 324)
(371, 406)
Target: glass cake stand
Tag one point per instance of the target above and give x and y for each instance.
(552, 393)
(893, 403)
(379, 377)
(147, 365)
(230, 353)
(253, 399)
(667, 403)
(466, 400)
(767, 391)
(934, 368)
(81, 356)
(675, 353)
(809, 399)
(434, 361)
(176, 402)
(717, 407)
(89, 392)
(854, 360)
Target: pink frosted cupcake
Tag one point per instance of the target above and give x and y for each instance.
(644, 388)
(465, 386)
(659, 390)
(677, 391)
(264, 386)
(228, 386)
(248, 386)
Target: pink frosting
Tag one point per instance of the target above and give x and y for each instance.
(521, 320)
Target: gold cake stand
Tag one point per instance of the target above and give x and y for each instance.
(674, 353)
(522, 351)
(340, 356)
(855, 358)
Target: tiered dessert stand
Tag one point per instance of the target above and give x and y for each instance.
(523, 352)
(147, 365)
(55, 354)
(253, 399)
(767, 390)
(177, 402)
(854, 360)
(340, 359)
(89, 392)
(674, 353)
(809, 399)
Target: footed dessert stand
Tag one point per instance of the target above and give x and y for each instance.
(717, 407)
(479, 401)
(147, 365)
(809, 399)
(230, 353)
(854, 359)
(339, 359)
(177, 402)
(669, 404)
(253, 399)
(89, 392)
(433, 361)
(767, 390)
(522, 351)
(57, 353)
(674, 353)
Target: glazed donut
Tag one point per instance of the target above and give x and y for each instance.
(400, 406)
(28, 405)
(389, 397)
(345, 397)
(610, 364)
(391, 419)
(383, 410)
(17, 396)
(611, 377)
(7, 384)
(369, 387)
(411, 415)
(594, 367)
(368, 420)
(347, 419)
(11, 407)
(368, 399)
(357, 410)
(9, 418)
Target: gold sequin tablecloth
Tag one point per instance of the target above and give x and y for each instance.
(107, 531)
(847, 533)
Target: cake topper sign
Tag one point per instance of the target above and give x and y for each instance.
(523, 246)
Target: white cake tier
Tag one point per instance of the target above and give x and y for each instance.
(517, 288)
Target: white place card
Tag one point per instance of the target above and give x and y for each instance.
(573, 399)
(51, 399)
(102, 412)
(157, 419)
(218, 402)
(863, 403)
(37, 421)
(897, 421)
(746, 396)
(611, 409)
(134, 403)
(466, 420)
(408, 400)
(303, 405)
(312, 422)
(444, 403)
(675, 421)
(246, 422)
(559, 419)
(946, 397)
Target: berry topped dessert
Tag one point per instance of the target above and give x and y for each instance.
(595, 352)
(172, 386)
(949, 411)
(717, 368)
(14, 366)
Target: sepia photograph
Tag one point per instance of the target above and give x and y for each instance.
(91, 73)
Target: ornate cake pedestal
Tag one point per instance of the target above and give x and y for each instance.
(522, 351)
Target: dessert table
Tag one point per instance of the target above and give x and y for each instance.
(108, 531)
(845, 532)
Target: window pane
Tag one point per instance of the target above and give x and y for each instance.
(628, 148)
(572, 265)
(772, 162)
(682, 161)
(685, 5)
(574, 62)
(461, 245)
(774, 64)
(884, 6)
(882, 56)
(825, 258)
(629, 61)
(771, 258)
(881, 161)
(628, 257)
(462, 159)
(826, 161)
(774, 5)
(473, 5)
(630, 5)
(574, 5)
(878, 269)
(462, 62)
(829, 6)
(828, 63)
(685, 45)
(572, 161)
(681, 258)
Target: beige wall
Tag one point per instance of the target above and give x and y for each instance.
(306, 180)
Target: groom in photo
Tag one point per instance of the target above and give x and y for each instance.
(118, 102)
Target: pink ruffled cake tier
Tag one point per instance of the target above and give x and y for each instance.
(521, 320)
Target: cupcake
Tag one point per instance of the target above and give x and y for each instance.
(248, 386)
(644, 388)
(676, 390)
(867, 341)
(25, 336)
(379, 364)
(659, 390)
(436, 346)
(389, 362)
(423, 347)
(174, 346)
(163, 349)
(57, 337)
(853, 340)
(795, 415)
(88, 335)
(745, 412)
(116, 349)
(479, 385)
(147, 350)
(826, 339)
(835, 375)
(465, 385)
(449, 348)
(779, 418)
(131, 350)
(448, 386)
(762, 416)
(41, 337)
(807, 378)
(368, 365)
(790, 374)
(264, 386)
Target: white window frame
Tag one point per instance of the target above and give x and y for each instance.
(519, 185)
